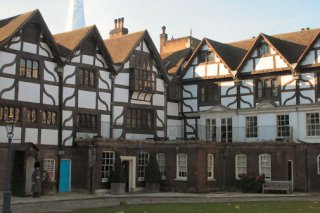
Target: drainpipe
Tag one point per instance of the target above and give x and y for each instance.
(112, 77)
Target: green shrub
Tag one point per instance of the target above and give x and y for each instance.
(117, 175)
(251, 182)
(153, 174)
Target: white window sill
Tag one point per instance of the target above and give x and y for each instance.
(181, 179)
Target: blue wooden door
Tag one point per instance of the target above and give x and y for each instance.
(65, 170)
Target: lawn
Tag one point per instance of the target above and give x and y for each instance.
(239, 207)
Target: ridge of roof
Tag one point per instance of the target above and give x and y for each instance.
(176, 59)
(121, 47)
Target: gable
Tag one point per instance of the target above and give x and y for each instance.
(263, 57)
(206, 63)
(313, 54)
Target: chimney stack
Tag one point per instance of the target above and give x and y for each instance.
(163, 39)
(119, 29)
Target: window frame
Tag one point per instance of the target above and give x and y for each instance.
(143, 80)
(161, 159)
(209, 94)
(6, 110)
(210, 167)
(316, 126)
(261, 167)
(143, 160)
(49, 115)
(107, 165)
(252, 128)
(181, 170)
(283, 131)
(91, 81)
(82, 118)
(318, 164)
(140, 120)
(53, 176)
(206, 56)
(32, 69)
(267, 88)
(241, 167)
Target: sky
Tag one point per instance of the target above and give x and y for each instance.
(220, 20)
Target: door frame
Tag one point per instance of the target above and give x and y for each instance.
(292, 178)
(132, 171)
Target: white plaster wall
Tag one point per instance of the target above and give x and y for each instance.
(200, 71)
(192, 89)
(254, 53)
(248, 67)
(264, 63)
(16, 46)
(16, 137)
(51, 67)
(204, 108)
(160, 85)
(29, 47)
(65, 116)
(317, 43)
(309, 94)
(49, 137)
(7, 58)
(76, 59)
(87, 59)
(98, 63)
(106, 77)
(43, 52)
(29, 92)
(160, 133)
(173, 108)
(68, 92)
(318, 54)
(285, 80)
(267, 126)
(67, 71)
(4, 84)
(272, 51)
(195, 61)
(160, 114)
(66, 134)
(247, 98)
(86, 99)
(116, 113)
(132, 136)
(212, 69)
(295, 124)
(105, 126)
(190, 103)
(205, 47)
(174, 129)
(158, 100)
(309, 58)
(280, 63)
(106, 97)
(53, 91)
(223, 70)
(307, 77)
(145, 47)
(122, 79)
(117, 133)
(246, 83)
(31, 135)
(228, 100)
(121, 95)
(225, 86)
(287, 95)
(189, 73)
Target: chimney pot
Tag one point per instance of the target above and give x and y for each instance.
(163, 29)
(115, 23)
(302, 29)
(122, 23)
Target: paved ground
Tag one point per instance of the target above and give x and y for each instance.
(71, 201)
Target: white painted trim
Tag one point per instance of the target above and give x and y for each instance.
(132, 171)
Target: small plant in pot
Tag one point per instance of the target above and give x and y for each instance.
(117, 178)
(153, 175)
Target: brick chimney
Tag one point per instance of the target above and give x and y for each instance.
(118, 30)
(163, 39)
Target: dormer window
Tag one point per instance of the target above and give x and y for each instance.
(264, 49)
(206, 56)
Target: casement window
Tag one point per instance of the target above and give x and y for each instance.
(241, 165)
(143, 80)
(265, 165)
(206, 56)
(86, 78)
(318, 164)
(226, 130)
(267, 88)
(29, 68)
(174, 92)
(31, 116)
(211, 129)
(87, 121)
(6, 111)
(143, 160)
(140, 120)
(283, 127)
(182, 166)
(49, 167)
(107, 165)
(209, 94)
(210, 167)
(263, 49)
(251, 127)
(49, 117)
(161, 158)
(313, 124)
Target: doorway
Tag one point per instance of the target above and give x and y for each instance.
(290, 172)
(65, 175)
(129, 163)
(125, 165)
(29, 170)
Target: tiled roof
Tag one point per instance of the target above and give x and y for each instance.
(10, 26)
(174, 60)
(120, 48)
(69, 41)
